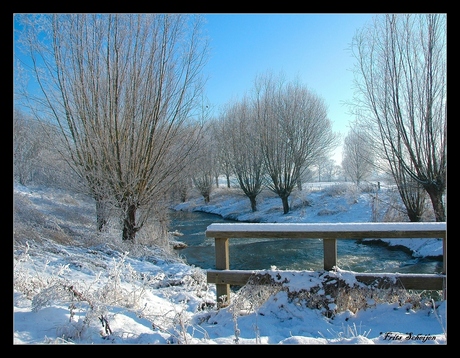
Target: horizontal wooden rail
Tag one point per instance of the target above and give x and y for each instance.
(407, 281)
(329, 232)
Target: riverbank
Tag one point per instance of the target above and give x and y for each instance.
(326, 203)
(63, 291)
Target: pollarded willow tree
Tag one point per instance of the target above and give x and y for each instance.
(295, 132)
(122, 89)
(401, 83)
(240, 133)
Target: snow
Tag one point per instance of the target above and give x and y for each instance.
(316, 205)
(150, 297)
(345, 227)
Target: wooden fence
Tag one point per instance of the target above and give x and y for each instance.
(329, 233)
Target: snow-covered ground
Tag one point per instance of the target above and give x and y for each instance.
(323, 202)
(72, 286)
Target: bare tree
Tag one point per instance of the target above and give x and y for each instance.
(205, 162)
(295, 132)
(326, 169)
(221, 155)
(411, 192)
(121, 88)
(332, 170)
(240, 132)
(35, 160)
(203, 181)
(26, 147)
(222, 142)
(358, 155)
(401, 81)
(183, 184)
(306, 177)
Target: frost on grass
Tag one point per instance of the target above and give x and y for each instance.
(330, 292)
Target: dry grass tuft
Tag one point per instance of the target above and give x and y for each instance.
(332, 296)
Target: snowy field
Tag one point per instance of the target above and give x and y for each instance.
(72, 286)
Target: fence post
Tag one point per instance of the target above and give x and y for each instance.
(330, 253)
(222, 263)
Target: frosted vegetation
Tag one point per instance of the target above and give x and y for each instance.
(75, 285)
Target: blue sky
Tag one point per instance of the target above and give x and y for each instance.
(312, 47)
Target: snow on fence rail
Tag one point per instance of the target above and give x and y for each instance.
(330, 233)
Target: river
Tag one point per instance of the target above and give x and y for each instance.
(288, 254)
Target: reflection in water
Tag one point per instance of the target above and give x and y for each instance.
(289, 254)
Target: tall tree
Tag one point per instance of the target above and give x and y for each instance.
(205, 159)
(243, 146)
(122, 89)
(295, 132)
(401, 84)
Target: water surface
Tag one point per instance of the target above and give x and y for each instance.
(290, 254)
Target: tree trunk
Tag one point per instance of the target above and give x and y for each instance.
(129, 224)
(414, 216)
(253, 203)
(101, 214)
(436, 200)
(285, 201)
(299, 184)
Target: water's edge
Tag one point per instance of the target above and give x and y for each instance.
(371, 255)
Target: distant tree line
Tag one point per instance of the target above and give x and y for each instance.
(271, 138)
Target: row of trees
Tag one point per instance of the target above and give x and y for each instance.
(125, 93)
(273, 137)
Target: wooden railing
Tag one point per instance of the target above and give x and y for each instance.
(330, 233)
